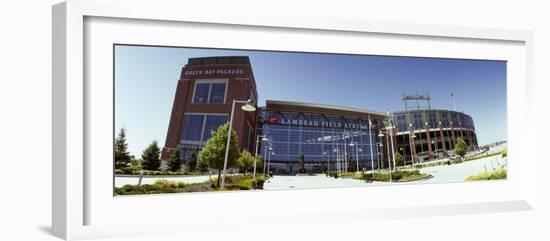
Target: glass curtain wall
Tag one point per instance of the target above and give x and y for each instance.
(319, 144)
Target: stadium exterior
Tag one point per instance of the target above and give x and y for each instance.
(323, 134)
(326, 137)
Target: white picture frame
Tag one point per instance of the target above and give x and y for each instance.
(75, 199)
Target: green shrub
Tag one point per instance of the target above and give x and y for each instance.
(333, 174)
(500, 173)
(136, 171)
(238, 182)
(166, 183)
(504, 153)
(347, 175)
(198, 187)
(129, 170)
(399, 175)
(135, 189)
(381, 176)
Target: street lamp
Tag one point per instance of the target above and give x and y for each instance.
(265, 159)
(345, 164)
(248, 107)
(402, 150)
(388, 146)
(413, 145)
(264, 138)
(269, 159)
(337, 159)
(361, 151)
(380, 150)
(353, 143)
(390, 134)
(381, 145)
(328, 163)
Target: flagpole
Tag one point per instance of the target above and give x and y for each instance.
(453, 99)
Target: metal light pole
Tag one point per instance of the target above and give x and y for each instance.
(249, 107)
(337, 158)
(265, 159)
(370, 145)
(336, 153)
(388, 146)
(403, 156)
(361, 151)
(380, 151)
(328, 163)
(413, 145)
(345, 152)
(264, 138)
(269, 160)
(390, 133)
(354, 143)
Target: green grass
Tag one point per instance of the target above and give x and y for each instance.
(238, 182)
(500, 173)
(399, 176)
(472, 158)
(136, 172)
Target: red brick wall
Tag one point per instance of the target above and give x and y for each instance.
(239, 87)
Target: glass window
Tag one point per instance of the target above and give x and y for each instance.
(432, 119)
(190, 150)
(417, 119)
(401, 122)
(192, 127)
(209, 93)
(201, 93)
(444, 119)
(212, 124)
(217, 93)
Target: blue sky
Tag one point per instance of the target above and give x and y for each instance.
(146, 79)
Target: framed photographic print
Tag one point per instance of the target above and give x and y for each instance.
(230, 119)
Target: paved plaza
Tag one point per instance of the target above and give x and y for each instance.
(441, 174)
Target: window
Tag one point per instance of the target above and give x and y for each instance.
(212, 124)
(417, 119)
(209, 92)
(201, 93)
(401, 123)
(192, 127)
(444, 119)
(217, 94)
(432, 119)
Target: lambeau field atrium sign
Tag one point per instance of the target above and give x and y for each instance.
(328, 124)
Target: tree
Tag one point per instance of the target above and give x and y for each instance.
(150, 157)
(461, 148)
(191, 162)
(245, 161)
(213, 153)
(202, 167)
(122, 156)
(399, 159)
(175, 161)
